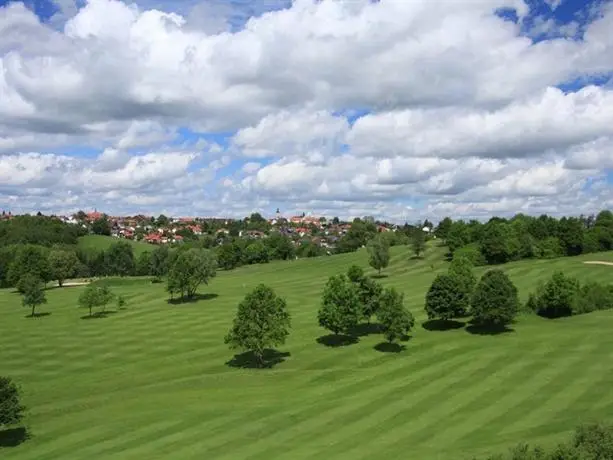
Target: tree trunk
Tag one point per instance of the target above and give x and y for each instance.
(90, 311)
(60, 283)
(33, 309)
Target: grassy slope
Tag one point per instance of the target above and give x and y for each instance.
(102, 242)
(150, 382)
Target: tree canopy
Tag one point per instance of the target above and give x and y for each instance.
(495, 301)
(11, 409)
(340, 307)
(62, 265)
(33, 292)
(396, 321)
(378, 253)
(446, 299)
(262, 321)
(191, 268)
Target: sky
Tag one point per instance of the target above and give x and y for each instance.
(401, 110)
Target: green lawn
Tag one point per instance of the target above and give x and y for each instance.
(101, 243)
(150, 382)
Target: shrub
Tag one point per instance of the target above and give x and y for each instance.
(591, 297)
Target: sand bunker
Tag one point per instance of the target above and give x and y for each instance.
(598, 262)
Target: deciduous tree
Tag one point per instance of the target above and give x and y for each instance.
(418, 242)
(33, 292)
(495, 301)
(340, 307)
(95, 296)
(378, 253)
(396, 321)
(445, 299)
(191, 268)
(11, 409)
(262, 321)
(62, 264)
(120, 259)
(29, 259)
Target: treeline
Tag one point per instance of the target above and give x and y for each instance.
(41, 230)
(524, 237)
(589, 442)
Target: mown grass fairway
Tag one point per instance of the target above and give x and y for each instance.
(97, 243)
(151, 382)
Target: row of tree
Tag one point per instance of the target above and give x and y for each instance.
(522, 237)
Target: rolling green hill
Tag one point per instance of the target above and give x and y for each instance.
(150, 381)
(102, 242)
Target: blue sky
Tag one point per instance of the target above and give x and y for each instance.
(253, 105)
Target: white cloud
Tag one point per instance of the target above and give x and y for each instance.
(462, 107)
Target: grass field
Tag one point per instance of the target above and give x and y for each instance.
(150, 382)
(99, 243)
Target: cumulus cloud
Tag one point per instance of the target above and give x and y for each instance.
(459, 106)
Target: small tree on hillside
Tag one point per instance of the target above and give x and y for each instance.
(95, 296)
(340, 307)
(191, 268)
(557, 297)
(11, 409)
(396, 321)
(418, 242)
(33, 292)
(29, 259)
(369, 292)
(63, 265)
(262, 321)
(160, 261)
(445, 299)
(495, 301)
(378, 253)
(462, 269)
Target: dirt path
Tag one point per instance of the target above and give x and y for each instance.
(598, 262)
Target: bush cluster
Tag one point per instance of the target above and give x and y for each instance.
(589, 442)
(563, 296)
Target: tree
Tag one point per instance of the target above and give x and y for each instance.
(418, 242)
(160, 261)
(29, 259)
(62, 265)
(445, 299)
(162, 220)
(120, 259)
(557, 297)
(121, 302)
(442, 230)
(191, 268)
(369, 292)
(495, 301)
(395, 319)
(340, 306)
(462, 269)
(95, 296)
(256, 253)
(262, 321)
(101, 226)
(143, 264)
(280, 246)
(11, 409)
(33, 292)
(378, 253)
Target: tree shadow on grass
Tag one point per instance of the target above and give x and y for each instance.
(378, 276)
(248, 360)
(364, 329)
(488, 330)
(337, 340)
(38, 315)
(442, 325)
(387, 347)
(100, 314)
(193, 299)
(13, 436)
